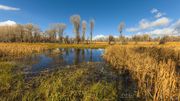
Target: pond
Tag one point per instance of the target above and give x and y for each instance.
(61, 57)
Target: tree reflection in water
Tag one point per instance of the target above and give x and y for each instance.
(91, 57)
(61, 57)
(77, 56)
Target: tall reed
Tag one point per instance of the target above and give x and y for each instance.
(156, 80)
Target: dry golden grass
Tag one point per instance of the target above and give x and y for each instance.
(22, 49)
(19, 49)
(12, 50)
(154, 73)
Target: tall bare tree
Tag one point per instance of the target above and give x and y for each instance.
(91, 28)
(36, 33)
(21, 32)
(84, 26)
(32, 31)
(51, 34)
(111, 38)
(75, 20)
(28, 29)
(59, 27)
(120, 29)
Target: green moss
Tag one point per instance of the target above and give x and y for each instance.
(5, 75)
(101, 91)
(11, 81)
(70, 84)
(77, 83)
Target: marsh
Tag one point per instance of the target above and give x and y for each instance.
(60, 57)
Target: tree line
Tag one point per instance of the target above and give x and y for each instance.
(55, 33)
(139, 38)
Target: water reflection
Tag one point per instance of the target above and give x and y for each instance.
(62, 57)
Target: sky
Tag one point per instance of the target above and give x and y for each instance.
(154, 17)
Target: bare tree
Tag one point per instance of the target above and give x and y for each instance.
(84, 26)
(32, 31)
(67, 39)
(75, 20)
(36, 33)
(28, 29)
(91, 28)
(51, 34)
(59, 28)
(111, 38)
(120, 29)
(21, 32)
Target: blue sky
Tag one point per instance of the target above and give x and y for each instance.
(140, 16)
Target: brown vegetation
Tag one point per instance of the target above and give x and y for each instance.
(16, 50)
(153, 69)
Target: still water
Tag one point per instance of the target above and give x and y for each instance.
(62, 57)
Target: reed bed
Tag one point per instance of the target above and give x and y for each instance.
(20, 49)
(153, 70)
(23, 49)
(93, 45)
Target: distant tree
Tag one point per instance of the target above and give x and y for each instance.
(111, 38)
(91, 28)
(21, 32)
(136, 38)
(120, 29)
(28, 29)
(157, 39)
(164, 40)
(32, 32)
(75, 20)
(67, 39)
(145, 37)
(84, 26)
(59, 27)
(51, 34)
(36, 33)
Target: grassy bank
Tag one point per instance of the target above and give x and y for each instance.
(86, 83)
(152, 68)
(11, 80)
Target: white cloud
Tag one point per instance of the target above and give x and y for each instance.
(8, 8)
(159, 32)
(154, 10)
(157, 13)
(163, 31)
(8, 23)
(101, 36)
(173, 29)
(132, 29)
(159, 27)
(146, 24)
(160, 22)
(176, 25)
